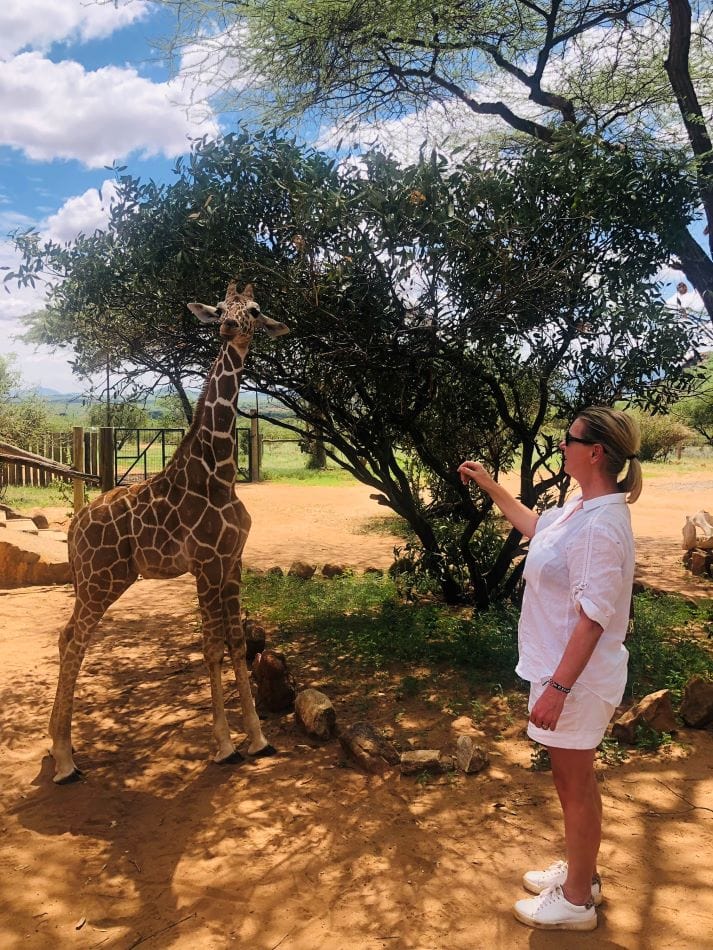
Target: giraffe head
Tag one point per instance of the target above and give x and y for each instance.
(239, 315)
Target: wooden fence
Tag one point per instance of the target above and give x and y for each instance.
(97, 452)
(51, 445)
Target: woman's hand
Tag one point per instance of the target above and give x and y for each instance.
(475, 472)
(548, 709)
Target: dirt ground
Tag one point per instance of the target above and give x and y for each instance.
(158, 847)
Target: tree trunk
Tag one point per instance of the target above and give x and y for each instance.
(697, 266)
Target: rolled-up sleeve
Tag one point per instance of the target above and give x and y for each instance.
(595, 572)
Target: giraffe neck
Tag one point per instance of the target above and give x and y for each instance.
(209, 444)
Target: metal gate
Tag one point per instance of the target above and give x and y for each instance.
(139, 453)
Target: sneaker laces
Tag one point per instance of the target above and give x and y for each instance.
(555, 893)
(551, 894)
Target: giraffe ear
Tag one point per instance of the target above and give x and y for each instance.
(204, 313)
(272, 327)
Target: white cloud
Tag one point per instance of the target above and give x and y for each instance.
(59, 110)
(443, 126)
(37, 24)
(82, 214)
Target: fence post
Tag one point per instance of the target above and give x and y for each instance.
(254, 456)
(78, 465)
(94, 452)
(106, 457)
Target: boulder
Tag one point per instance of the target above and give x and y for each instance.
(40, 521)
(374, 570)
(315, 713)
(275, 571)
(254, 639)
(697, 564)
(421, 760)
(368, 748)
(302, 570)
(26, 559)
(471, 758)
(464, 726)
(654, 710)
(275, 684)
(697, 703)
(333, 570)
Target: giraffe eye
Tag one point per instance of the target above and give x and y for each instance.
(253, 309)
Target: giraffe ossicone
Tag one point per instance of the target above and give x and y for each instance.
(186, 518)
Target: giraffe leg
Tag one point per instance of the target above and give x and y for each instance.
(213, 649)
(73, 643)
(259, 746)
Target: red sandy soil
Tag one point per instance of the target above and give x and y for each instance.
(160, 848)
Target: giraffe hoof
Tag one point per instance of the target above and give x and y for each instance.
(263, 753)
(230, 759)
(75, 776)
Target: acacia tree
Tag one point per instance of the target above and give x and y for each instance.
(436, 311)
(638, 74)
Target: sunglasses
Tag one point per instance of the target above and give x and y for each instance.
(568, 438)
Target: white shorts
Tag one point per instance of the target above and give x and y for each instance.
(583, 722)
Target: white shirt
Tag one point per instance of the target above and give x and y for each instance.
(581, 557)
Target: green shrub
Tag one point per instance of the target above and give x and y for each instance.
(663, 653)
(661, 435)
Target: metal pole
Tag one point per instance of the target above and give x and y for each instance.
(254, 458)
(78, 466)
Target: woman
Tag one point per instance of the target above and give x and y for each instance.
(575, 613)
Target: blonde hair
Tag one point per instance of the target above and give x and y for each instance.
(620, 435)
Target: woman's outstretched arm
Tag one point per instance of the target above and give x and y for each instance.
(520, 517)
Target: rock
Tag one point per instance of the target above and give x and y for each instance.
(26, 525)
(302, 570)
(40, 521)
(333, 570)
(471, 758)
(374, 570)
(275, 684)
(654, 710)
(697, 563)
(275, 571)
(254, 639)
(315, 713)
(26, 559)
(697, 703)
(689, 534)
(421, 760)
(703, 520)
(368, 748)
(464, 726)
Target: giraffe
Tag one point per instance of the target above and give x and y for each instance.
(186, 518)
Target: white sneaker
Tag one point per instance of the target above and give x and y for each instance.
(556, 874)
(551, 910)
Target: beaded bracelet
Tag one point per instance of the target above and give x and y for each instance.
(559, 686)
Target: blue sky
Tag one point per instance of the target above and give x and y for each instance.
(82, 86)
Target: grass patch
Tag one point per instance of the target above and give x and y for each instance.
(56, 494)
(668, 644)
(361, 617)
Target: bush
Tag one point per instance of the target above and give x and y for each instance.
(661, 435)
(663, 654)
